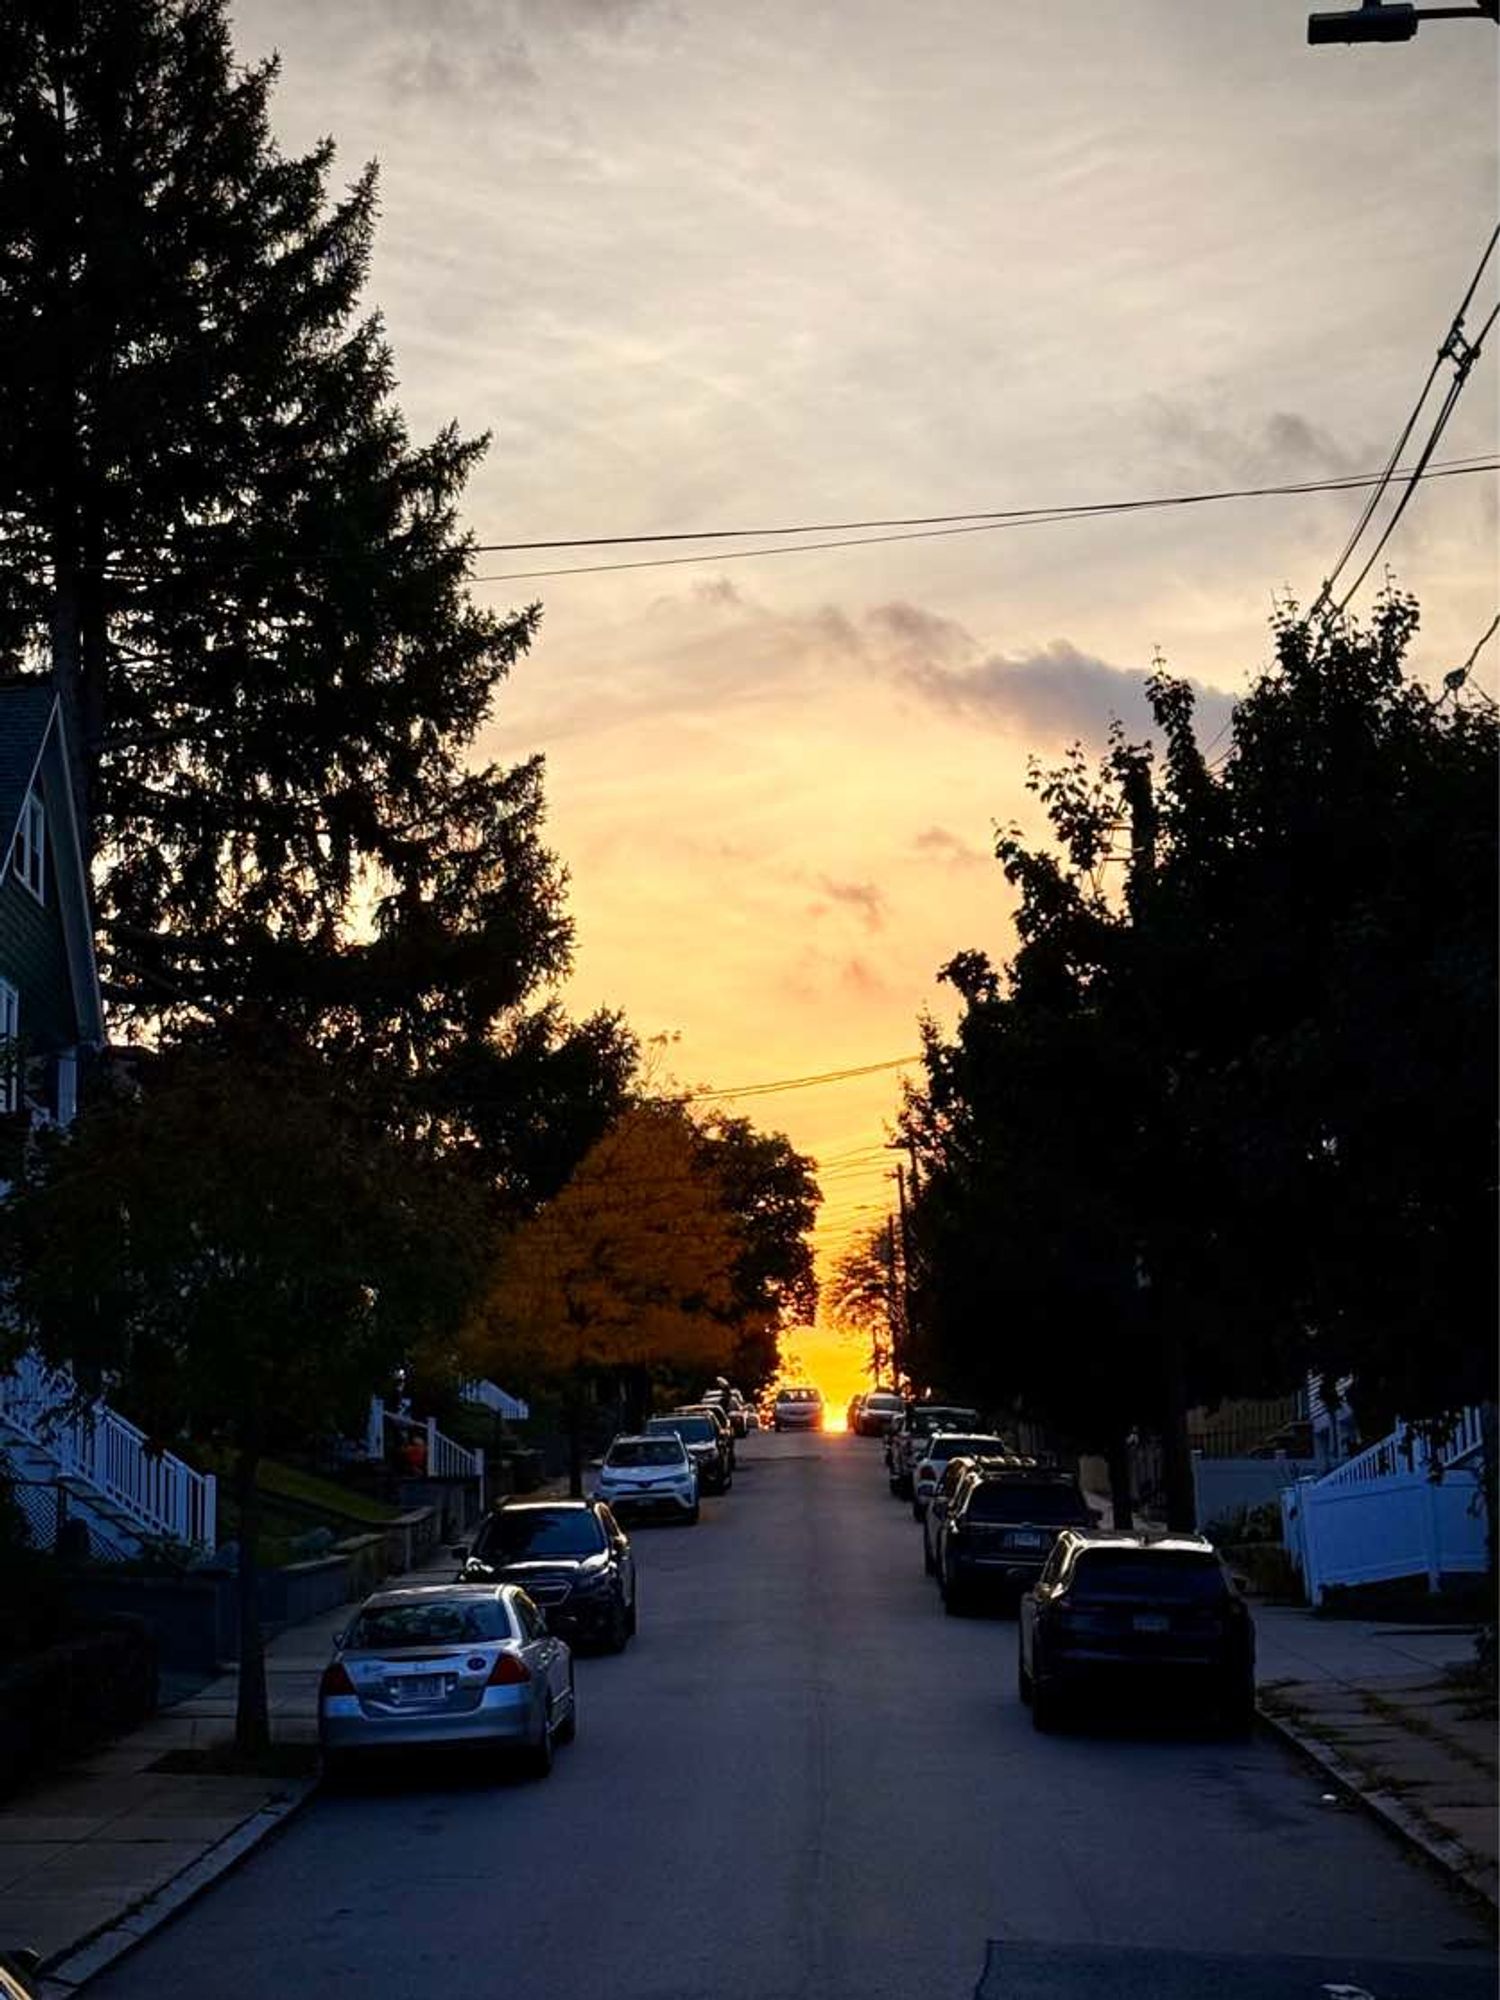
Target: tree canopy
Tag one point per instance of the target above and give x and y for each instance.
(1227, 1115)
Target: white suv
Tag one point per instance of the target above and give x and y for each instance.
(649, 1475)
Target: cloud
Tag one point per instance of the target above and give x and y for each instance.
(949, 847)
(1201, 440)
(865, 899)
(1056, 693)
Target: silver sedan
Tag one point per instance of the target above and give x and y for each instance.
(448, 1664)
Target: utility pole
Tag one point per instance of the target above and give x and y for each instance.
(892, 1308)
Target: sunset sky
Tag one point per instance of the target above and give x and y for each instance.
(702, 265)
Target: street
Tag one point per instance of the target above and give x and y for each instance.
(802, 1779)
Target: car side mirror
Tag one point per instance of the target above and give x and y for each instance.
(596, 1464)
(459, 1551)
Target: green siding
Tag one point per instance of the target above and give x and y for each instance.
(34, 958)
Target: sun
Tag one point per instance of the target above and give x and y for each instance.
(831, 1360)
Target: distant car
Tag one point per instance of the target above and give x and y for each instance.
(649, 1475)
(734, 1406)
(1000, 1530)
(938, 1449)
(1156, 1613)
(879, 1412)
(705, 1446)
(916, 1425)
(571, 1557)
(447, 1664)
(954, 1473)
(797, 1410)
(720, 1419)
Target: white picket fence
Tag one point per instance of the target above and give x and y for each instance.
(94, 1447)
(445, 1458)
(1403, 1507)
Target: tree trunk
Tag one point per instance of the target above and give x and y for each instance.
(573, 1417)
(1121, 1497)
(252, 1725)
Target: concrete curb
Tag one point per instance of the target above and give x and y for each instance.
(1449, 1855)
(64, 1974)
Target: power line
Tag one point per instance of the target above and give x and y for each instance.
(1453, 347)
(977, 524)
(779, 1084)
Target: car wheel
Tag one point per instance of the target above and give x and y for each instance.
(338, 1770)
(1045, 1707)
(1023, 1679)
(1237, 1710)
(916, 1510)
(955, 1602)
(928, 1565)
(692, 1514)
(618, 1636)
(568, 1729)
(632, 1613)
(536, 1759)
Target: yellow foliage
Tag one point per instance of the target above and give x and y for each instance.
(629, 1264)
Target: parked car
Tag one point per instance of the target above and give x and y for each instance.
(649, 1475)
(797, 1409)
(915, 1427)
(879, 1411)
(720, 1421)
(936, 1452)
(1000, 1530)
(705, 1446)
(954, 1473)
(571, 1557)
(1160, 1613)
(445, 1664)
(734, 1406)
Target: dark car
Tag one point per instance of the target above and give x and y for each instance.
(705, 1445)
(1000, 1530)
(1147, 1613)
(955, 1472)
(571, 1557)
(879, 1412)
(721, 1418)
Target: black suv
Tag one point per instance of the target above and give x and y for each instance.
(1000, 1529)
(1153, 1612)
(571, 1557)
(705, 1445)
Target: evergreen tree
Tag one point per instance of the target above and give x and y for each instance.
(249, 581)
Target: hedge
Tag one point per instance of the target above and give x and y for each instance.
(71, 1695)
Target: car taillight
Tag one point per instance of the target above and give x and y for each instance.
(335, 1680)
(508, 1671)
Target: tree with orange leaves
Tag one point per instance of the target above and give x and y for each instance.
(631, 1265)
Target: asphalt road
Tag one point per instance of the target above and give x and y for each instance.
(803, 1780)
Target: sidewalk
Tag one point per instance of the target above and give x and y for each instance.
(93, 1856)
(1375, 1705)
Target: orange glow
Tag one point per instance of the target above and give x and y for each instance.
(835, 1361)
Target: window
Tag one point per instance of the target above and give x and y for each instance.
(10, 1034)
(31, 847)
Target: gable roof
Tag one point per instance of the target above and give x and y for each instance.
(26, 710)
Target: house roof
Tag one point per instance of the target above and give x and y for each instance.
(26, 709)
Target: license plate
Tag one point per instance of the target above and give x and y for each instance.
(1151, 1621)
(1025, 1541)
(417, 1687)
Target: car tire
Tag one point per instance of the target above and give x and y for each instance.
(536, 1759)
(692, 1514)
(917, 1510)
(1045, 1715)
(929, 1567)
(1237, 1710)
(617, 1638)
(338, 1770)
(631, 1614)
(567, 1730)
(1023, 1680)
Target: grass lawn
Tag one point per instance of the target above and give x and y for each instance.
(287, 1482)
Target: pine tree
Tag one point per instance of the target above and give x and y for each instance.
(248, 580)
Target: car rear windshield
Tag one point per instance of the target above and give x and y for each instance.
(925, 1422)
(882, 1400)
(966, 1447)
(528, 1534)
(646, 1451)
(1146, 1575)
(1042, 1506)
(694, 1430)
(383, 1628)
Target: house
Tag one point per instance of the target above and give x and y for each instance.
(51, 1011)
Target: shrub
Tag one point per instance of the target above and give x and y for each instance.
(69, 1696)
